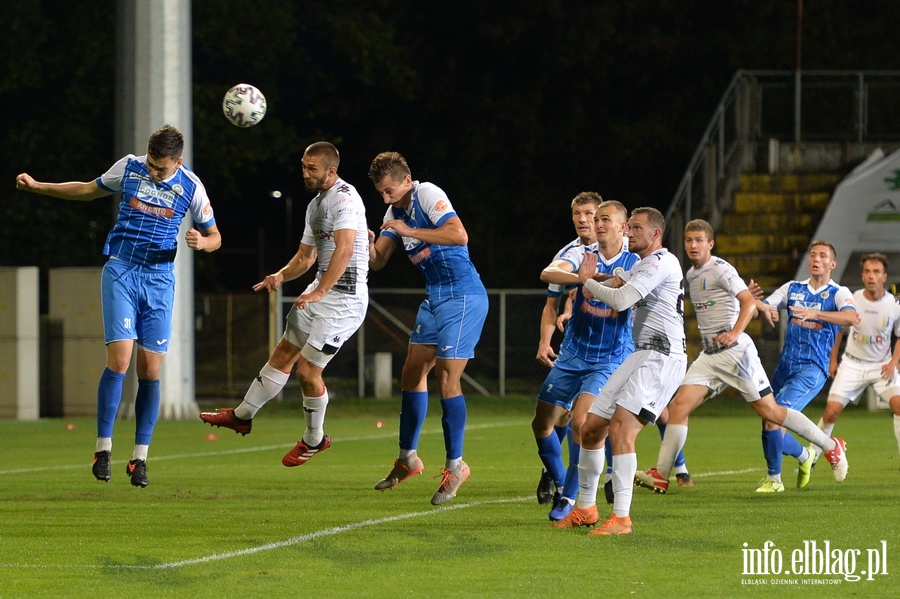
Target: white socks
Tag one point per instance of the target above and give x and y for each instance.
(590, 467)
(103, 444)
(897, 430)
(314, 413)
(267, 385)
(803, 426)
(140, 452)
(624, 469)
(673, 441)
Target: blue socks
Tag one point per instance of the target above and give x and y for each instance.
(109, 395)
(773, 442)
(791, 446)
(413, 409)
(453, 421)
(146, 410)
(550, 452)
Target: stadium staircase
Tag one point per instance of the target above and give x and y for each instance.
(765, 234)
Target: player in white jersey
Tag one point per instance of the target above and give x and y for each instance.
(583, 207)
(868, 359)
(817, 309)
(325, 315)
(138, 282)
(639, 389)
(724, 306)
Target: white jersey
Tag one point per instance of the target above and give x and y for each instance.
(659, 315)
(870, 340)
(339, 207)
(713, 290)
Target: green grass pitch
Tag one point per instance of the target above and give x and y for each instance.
(224, 518)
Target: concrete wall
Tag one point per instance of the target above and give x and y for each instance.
(19, 343)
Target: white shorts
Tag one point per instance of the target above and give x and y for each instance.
(322, 327)
(737, 367)
(643, 385)
(854, 375)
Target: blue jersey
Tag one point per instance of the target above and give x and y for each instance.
(809, 341)
(555, 289)
(448, 270)
(146, 229)
(597, 332)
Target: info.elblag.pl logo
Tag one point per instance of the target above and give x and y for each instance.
(813, 559)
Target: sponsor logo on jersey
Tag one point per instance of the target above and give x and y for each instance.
(150, 209)
(441, 206)
(701, 306)
(420, 257)
(323, 234)
(600, 311)
(148, 189)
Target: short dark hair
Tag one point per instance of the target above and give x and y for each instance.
(166, 142)
(830, 247)
(698, 224)
(388, 163)
(326, 151)
(875, 256)
(654, 217)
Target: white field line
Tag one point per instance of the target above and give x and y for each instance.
(327, 532)
(385, 435)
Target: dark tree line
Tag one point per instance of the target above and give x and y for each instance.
(512, 108)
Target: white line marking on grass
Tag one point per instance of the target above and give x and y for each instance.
(205, 454)
(724, 472)
(328, 532)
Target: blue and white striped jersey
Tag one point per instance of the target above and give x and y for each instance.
(448, 270)
(597, 332)
(146, 229)
(555, 289)
(809, 341)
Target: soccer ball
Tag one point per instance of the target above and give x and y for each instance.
(244, 105)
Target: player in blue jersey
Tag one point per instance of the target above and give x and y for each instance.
(583, 207)
(598, 338)
(641, 387)
(328, 312)
(817, 308)
(449, 322)
(138, 281)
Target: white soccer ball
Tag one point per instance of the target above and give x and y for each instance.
(244, 105)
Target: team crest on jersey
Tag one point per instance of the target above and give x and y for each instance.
(825, 294)
(618, 271)
(177, 189)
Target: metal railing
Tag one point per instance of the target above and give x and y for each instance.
(790, 107)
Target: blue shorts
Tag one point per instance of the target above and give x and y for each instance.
(137, 304)
(453, 325)
(797, 385)
(562, 386)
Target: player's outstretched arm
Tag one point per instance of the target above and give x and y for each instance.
(380, 250)
(299, 264)
(73, 190)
